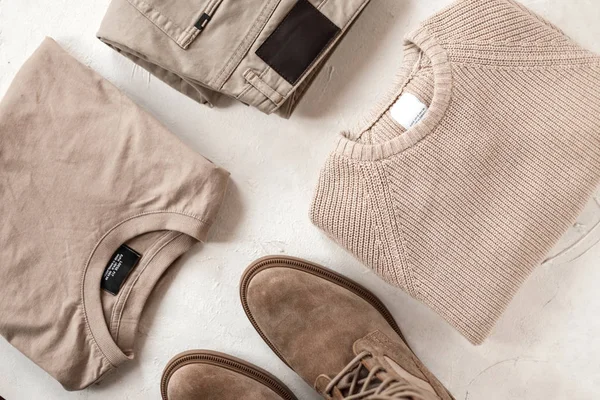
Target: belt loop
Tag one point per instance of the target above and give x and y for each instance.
(259, 84)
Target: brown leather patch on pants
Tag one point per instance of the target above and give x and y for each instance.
(298, 41)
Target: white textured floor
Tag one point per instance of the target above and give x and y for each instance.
(545, 347)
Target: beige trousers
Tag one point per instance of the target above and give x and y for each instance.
(264, 53)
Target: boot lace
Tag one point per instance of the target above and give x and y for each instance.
(356, 382)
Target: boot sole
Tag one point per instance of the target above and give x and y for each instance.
(225, 361)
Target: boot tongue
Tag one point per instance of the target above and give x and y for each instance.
(391, 361)
(372, 344)
(394, 356)
(378, 345)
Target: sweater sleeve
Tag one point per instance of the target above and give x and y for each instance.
(350, 207)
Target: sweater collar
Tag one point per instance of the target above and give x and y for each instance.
(417, 44)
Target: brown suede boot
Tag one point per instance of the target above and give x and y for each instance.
(333, 332)
(208, 375)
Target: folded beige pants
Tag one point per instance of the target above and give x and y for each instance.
(97, 200)
(263, 53)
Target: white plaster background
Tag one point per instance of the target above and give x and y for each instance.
(545, 347)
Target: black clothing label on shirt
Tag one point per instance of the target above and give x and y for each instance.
(121, 264)
(298, 41)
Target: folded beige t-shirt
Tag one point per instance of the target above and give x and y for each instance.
(97, 199)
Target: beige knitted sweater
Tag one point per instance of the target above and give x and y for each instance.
(475, 163)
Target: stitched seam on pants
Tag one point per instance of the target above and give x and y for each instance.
(261, 85)
(246, 44)
(248, 86)
(178, 35)
(322, 4)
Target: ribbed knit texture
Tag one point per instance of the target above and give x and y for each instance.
(459, 209)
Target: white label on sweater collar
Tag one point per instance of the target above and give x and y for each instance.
(408, 110)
